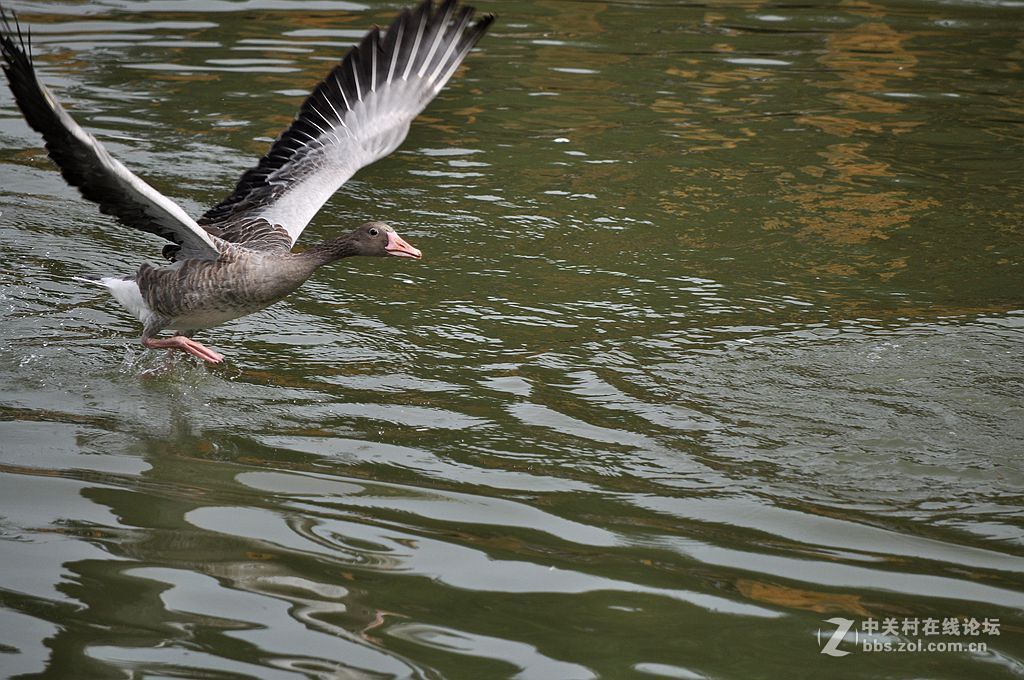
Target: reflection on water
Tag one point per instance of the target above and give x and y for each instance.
(717, 336)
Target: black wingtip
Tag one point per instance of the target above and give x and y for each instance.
(484, 23)
(6, 42)
(5, 23)
(15, 54)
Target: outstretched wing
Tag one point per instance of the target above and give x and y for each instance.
(361, 112)
(88, 166)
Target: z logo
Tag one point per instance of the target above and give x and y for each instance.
(842, 628)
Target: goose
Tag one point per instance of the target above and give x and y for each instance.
(237, 257)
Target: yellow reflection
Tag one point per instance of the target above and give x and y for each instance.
(810, 600)
(847, 199)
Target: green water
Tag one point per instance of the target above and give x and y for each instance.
(717, 335)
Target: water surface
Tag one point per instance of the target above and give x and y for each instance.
(718, 335)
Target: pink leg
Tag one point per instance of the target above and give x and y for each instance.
(185, 345)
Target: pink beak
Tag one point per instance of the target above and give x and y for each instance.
(399, 247)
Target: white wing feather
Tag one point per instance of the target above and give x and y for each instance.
(360, 113)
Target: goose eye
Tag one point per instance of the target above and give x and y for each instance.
(373, 231)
